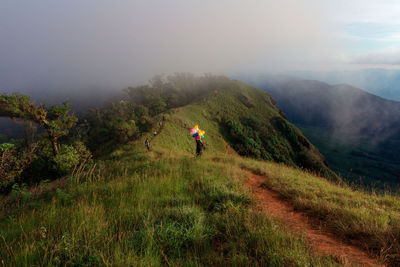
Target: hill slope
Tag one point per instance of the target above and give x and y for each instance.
(358, 132)
(247, 119)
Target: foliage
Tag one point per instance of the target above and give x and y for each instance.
(156, 104)
(246, 140)
(48, 166)
(20, 106)
(59, 123)
(120, 122)
(174, 91)
(13, 160)
(277, 141)
(6, 147)
(57, 120)
(33, 160)
(85, 156)
(67, 159)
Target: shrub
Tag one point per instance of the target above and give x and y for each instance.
(13, 160)
(70, 156)
(66, 159)
(84, 154)
(48, 166)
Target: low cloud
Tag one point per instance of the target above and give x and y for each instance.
(71, 44)
(382, 58)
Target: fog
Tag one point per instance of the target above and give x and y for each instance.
(74, 45)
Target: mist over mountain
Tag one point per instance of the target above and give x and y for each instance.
(358, 132)
(346, 111)
(382, 82)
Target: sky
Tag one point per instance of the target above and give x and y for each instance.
(371, 29)
(102, 43)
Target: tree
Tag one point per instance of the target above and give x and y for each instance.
(60, 120)
(156, 104)
(56, 120)
(13, 161)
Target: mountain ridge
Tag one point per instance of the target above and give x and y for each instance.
(248, 120)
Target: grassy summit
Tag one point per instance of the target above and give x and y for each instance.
(246, 119)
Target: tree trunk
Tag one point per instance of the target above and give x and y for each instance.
(30, 129)
(54, 142)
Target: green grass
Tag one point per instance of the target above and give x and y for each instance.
(369, 220)
(132, 211)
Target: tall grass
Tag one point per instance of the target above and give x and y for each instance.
(132, 211)
(369, 220)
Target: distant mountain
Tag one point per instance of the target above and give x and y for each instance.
(358, 132)
(381, 82)
(345, 110)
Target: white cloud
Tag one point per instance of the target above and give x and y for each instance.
(380, 58)
(364, 11)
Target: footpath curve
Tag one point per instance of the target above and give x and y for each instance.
(320, 239)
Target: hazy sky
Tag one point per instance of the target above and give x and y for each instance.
(371, 29)
(120, 42)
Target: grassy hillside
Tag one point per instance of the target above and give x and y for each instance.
(149, 209)
(167, 207)
(246, 119)
(358, 162)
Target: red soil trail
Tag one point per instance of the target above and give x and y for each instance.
(321, 241)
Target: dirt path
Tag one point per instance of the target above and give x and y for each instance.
(323, 242)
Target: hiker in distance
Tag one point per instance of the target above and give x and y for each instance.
(198, 134)
(199, 147)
